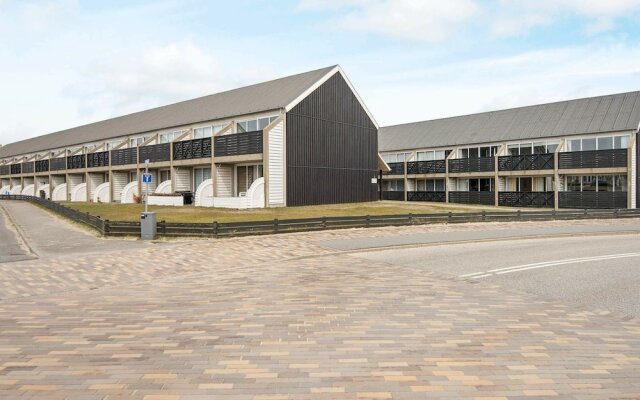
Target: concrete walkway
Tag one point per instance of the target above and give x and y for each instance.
(11, 246)
(49, 235)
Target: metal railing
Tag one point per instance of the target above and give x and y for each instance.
(216, 229)
(393, 195)
(528, 162)
(427, 167)
(396, 168)
(526, 199)
(155, 153)
(190, 149)
(480, 164)
(100, 159)
(616, 158)
(238, 144)
(598, 200)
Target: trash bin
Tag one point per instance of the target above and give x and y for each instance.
(43, 195)
(187, 198)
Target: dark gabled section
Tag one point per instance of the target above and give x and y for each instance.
(637, 170)
(332, 148)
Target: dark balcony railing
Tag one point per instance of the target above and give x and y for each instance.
(58, 164)
(100, 159)
(190, 149)
(28, 167)
(124, 156)
(393, 195)
(5, 170)
(238, 144)
(529, 162)
(16, 169)
(396, 168)
(583, 200)
(426, 167)
(76, 162)
(484, 198)
(481, 164)
(42, 166)
(439, 197)
(593, 159)
(526, 199)
(156, 153)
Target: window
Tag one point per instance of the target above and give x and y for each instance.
(552, 147)
(252, 125)
(539, 148)
(526, 148)
(589, 144)
(605, 143)
(204, 132)
(575, 145)
(393, 186)
(574, 184)
(133, 176)
(589, 183)
(605, 183)
(200, 175)
(135, 142)
(165, 175)
(464, 153)
(620, 142)
(513, 149)
(395, 157)
(619, 183)
(524, 184)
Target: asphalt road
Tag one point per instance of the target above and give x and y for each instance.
(600, 271)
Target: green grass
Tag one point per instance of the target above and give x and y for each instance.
(131, 212)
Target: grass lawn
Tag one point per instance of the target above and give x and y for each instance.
(131, 212)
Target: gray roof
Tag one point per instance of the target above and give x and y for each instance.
(618, 112)
(261, 97)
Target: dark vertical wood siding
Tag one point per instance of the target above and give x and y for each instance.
(332, 148)
(637, 170)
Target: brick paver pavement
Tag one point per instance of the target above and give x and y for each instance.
(281, 318)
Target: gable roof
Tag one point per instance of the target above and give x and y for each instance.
(266, 96)
(617, 112)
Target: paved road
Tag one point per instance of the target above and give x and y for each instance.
(48, 235)
(11, 246)
(597, 272)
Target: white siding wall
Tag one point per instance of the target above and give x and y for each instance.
(118, 181)
(183, 179)
(224, 181)
(276, 166)
(502, 184)
(74, 180)
(411, 185)
(57, 180)
(95, 180)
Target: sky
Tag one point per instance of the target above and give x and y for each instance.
(65, 63)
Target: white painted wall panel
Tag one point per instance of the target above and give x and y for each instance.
(95, 180)
(118, 181)
(224, 181)
(634, 176)
(57, 180)
(276, 167)
(183, 179)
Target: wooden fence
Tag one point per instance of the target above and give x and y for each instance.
(229, 229)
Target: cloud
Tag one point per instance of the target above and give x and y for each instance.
(159, 76)
(421, 20)
(436, 20)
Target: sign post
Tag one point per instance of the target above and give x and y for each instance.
(147, 219)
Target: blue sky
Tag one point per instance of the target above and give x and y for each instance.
(69, 62)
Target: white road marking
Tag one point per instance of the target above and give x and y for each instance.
(526, 267)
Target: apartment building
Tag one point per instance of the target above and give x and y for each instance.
(571, 154)
(299, 140)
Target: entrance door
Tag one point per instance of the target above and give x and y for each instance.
(245, 176)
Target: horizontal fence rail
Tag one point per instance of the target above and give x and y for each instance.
(427, 167)
(155, 152)
(215, 229)
(483, 198)
(592, 199)
(528, 162)
(190, 149)
(593, 159)
(480, 164)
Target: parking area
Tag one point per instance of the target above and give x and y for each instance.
(290, 317)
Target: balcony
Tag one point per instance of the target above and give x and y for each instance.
(584, 200)
(57, 164)
(124, 156)
(481, 164)
(100, 159)
(27, 167)
(593, 159)
(438, 197)
(526, 199)
(238, 144)
(76, 162)
(42, 166)
(426, 167)
(483, 198)
(528, 162)
(16, 169)
(192, 149)
(155, 153)
(393, 195)
(5, 170)
(396, 168)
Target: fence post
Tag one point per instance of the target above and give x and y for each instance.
(411, 218)
(450, 216)
(215, 229)
(275, 225)
(518, 214)
(324, 222)
(106, 228)
(368, 221)
(484, 215)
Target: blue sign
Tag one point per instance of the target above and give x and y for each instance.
(146, 178)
